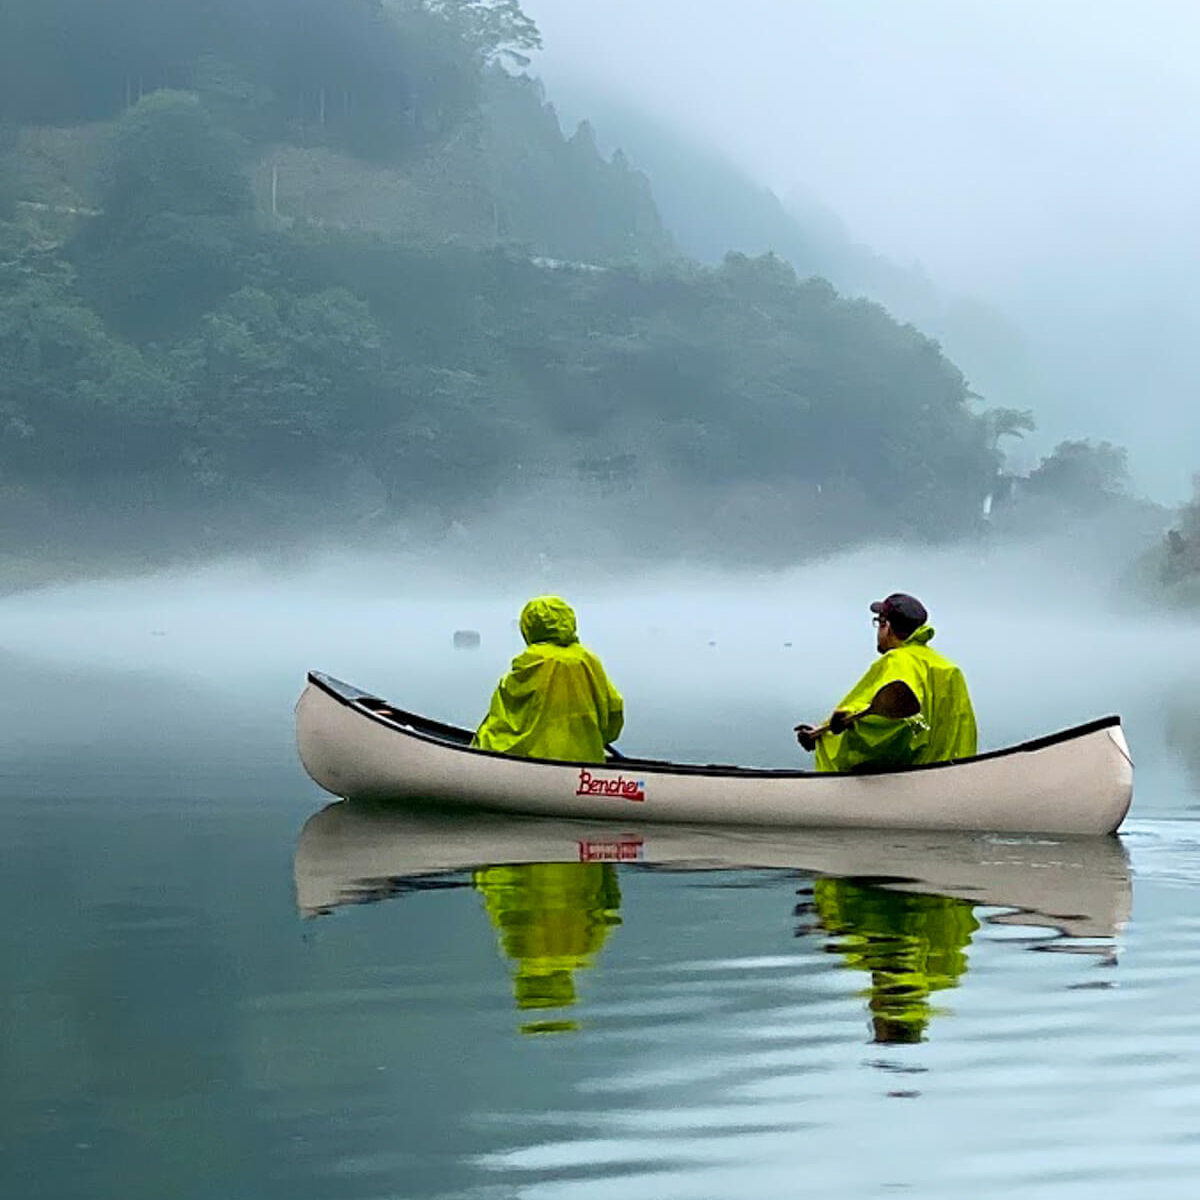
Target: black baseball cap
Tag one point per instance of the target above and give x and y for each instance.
(901, 609)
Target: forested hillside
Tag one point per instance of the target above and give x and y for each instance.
(270, 266)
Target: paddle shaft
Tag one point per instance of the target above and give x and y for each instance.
(894, 700)
(821, 730)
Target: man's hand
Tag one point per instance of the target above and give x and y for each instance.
(840, 721)
(804, 735)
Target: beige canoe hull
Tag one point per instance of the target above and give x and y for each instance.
(1078, 782)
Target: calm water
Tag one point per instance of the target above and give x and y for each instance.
(218, 983)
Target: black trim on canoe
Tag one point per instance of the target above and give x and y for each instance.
(455, 738)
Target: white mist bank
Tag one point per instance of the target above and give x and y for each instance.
(714, 666)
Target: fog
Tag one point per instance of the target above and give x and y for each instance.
(197, 670)
(323, 341)
(1038, 158)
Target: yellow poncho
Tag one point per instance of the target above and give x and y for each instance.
(944, 729)
(556, 702)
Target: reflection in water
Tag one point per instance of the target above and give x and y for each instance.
(552, 918)
(902, 907)
(912, 944)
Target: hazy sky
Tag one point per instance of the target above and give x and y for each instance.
(944, 131)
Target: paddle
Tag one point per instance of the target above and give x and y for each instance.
(894, 700)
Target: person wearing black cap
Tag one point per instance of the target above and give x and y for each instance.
(912, 705)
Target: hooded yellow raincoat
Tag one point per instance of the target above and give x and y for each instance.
(556, 702)
(944, 729)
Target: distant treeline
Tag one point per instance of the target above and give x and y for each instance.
(383, 76)
(181, 351)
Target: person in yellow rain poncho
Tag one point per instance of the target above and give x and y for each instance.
(942, 724)
(912, 944)
(557, 701)
(552, 919)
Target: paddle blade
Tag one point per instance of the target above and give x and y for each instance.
(895, 701)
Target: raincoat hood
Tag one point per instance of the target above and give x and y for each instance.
(548, 619)
(920, 636)
(556, 702)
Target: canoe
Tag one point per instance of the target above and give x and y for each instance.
(355, 853)
(358, 746)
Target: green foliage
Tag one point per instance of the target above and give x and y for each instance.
(542, 335)
(355, 74)
(74, 403)
(64, 61)
(1008, 422)
(153, 285)
(176, 222)
(451, 377)
(168, 157)
(702, 380)
(277, 383)
(1081, 474)
(1189, 521)
(1177, 562)
(409, 85)
(377, 77)
(560, 197)
(492, 29)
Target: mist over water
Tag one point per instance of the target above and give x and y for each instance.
(714, 666)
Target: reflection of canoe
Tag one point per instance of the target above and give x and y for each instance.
(354, 745)
(349, 853)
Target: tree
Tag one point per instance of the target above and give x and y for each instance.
(280, 383)
(343, 72)
(492, 29)
(65, 61)
(1008, 422)
(176, 228)
(76, 404)
(168, 157)
(1081, 473)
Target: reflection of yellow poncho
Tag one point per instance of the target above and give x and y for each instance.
(556, 702)
(552, 919)
(944, 729)
(912, 944)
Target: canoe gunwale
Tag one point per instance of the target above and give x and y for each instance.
(453, 737)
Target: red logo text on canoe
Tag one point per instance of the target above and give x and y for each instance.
(620, 787)
(615, 850)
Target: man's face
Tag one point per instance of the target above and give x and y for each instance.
(882, 629)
